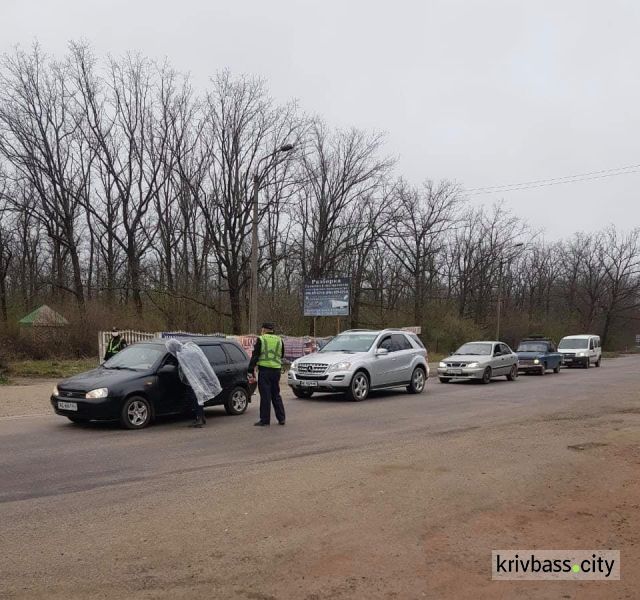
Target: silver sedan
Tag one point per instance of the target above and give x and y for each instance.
(480, 360)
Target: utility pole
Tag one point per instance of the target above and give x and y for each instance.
(253, 314)
(498, 308)
(253, 294)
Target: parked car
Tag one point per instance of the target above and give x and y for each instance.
(480, 360)
(357, 361)
(538, 355)
(141, 382)
(581, 350)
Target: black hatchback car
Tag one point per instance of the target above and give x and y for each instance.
(141, 382)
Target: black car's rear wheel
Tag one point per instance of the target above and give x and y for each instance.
(237, 401)
(300, 393)
(418, 380)
(136, 413)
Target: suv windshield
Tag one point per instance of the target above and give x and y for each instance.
(532, 347)
(138, 357)
(478, 348)
(351, 342)
(572, 344)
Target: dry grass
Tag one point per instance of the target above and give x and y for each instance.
(50, 368)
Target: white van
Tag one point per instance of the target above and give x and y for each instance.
(581, 350)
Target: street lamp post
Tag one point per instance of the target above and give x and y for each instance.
(519, 245)
(253, 311)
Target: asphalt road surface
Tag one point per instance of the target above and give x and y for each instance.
(400, 496)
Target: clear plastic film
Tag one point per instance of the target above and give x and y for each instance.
(196, 369)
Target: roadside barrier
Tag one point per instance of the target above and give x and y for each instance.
(294, 347)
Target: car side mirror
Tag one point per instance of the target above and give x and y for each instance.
(167, 370)
(382, 352)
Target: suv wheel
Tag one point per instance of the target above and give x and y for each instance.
(587, 363)
(513, 374)
(486, 376)
(136, 413)
(359, 388)
(418, 379)
(237, 401)
(598, 362)
(298, 393)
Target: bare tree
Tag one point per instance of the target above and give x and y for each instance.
(41, 136)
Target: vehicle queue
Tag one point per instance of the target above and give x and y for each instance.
(142, 381)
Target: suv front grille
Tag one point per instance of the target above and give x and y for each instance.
(456, 364)
(312, 368)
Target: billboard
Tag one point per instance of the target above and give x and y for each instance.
(327, 297)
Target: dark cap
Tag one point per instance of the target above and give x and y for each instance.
(269, 326)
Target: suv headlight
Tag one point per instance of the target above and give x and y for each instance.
(442, 365)
(472, 365)
(99, 393)
(55, 391)
(341, 366)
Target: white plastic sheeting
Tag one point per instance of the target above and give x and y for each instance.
(196, 369)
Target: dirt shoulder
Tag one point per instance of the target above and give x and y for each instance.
(26, 396)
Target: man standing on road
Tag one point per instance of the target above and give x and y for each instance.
(115, 345)
(267, 354)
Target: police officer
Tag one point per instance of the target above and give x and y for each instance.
(267, 354)
(115, 345)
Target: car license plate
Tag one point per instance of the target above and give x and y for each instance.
(454, 372)
(68, 405)
(309, 383)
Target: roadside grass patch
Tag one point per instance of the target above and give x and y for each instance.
(51, 369)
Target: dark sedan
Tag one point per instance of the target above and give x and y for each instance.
(141, 383)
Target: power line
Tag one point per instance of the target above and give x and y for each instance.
(525, 185)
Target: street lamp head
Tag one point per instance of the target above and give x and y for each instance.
(285, 148)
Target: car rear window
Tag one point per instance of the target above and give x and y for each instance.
(236, 354)
(215, 354)
(400, 342)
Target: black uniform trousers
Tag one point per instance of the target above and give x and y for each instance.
(269, 387)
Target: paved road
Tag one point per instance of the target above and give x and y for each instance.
(97, 496)
(49, 456)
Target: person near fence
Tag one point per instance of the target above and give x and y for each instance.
(197, 374)
(116, 344)
(268, 352)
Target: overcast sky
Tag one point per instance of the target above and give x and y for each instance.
(481, 92)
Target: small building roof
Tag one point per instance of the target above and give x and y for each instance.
(43, 317)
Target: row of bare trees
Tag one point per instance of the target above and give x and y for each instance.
(122, 187)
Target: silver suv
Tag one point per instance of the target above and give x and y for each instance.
(360, 360)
